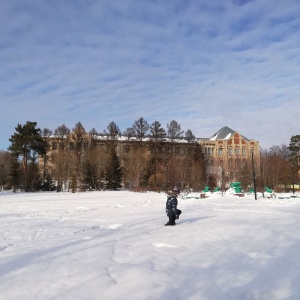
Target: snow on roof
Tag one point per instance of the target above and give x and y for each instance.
(224, 133)
(227, 137)
(214, 137)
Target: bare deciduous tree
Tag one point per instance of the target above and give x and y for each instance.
(141, 128)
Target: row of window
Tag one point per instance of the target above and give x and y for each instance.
(127, 148)
(185, 163)
(232, 163)
(183, 175)
(71, 146)
(178, 150)
(219, 151)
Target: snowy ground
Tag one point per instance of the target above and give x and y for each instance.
(113, 245)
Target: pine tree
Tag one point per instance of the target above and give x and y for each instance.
(74, 183)
(5, 161)
(294, 148)
(14, 174)
(149, 170)
(34, 178)
(114, 171)
(90, 177)
(27, 142)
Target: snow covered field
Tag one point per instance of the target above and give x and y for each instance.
(113, 245)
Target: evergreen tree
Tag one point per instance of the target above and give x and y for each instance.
(14, 174)
(148, 171)
(27, 142)
(35, 180)
(5, 160)
(74, 183)
(90, 177)
(114, 171)
(294, 148)
(3, 176)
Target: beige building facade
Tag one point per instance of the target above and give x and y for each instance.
(228, 156)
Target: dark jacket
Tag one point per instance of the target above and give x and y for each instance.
(171, 206)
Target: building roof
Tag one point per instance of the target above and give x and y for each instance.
(224, 133)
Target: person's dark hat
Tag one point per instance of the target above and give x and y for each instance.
(176, 190)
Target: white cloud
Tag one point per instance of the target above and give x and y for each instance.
(204, 64)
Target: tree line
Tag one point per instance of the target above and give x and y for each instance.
(279, 166)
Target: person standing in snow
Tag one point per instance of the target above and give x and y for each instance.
(171, 207)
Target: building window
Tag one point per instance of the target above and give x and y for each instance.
(168, 150)
(237, 151)
(230, 151)
(244, 151)
(208, 151)
(220, 151)
(236, 139)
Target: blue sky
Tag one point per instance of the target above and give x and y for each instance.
(205, 64)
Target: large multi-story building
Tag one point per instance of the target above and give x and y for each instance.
(229, 155)
(212, 161)
(178, 162)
